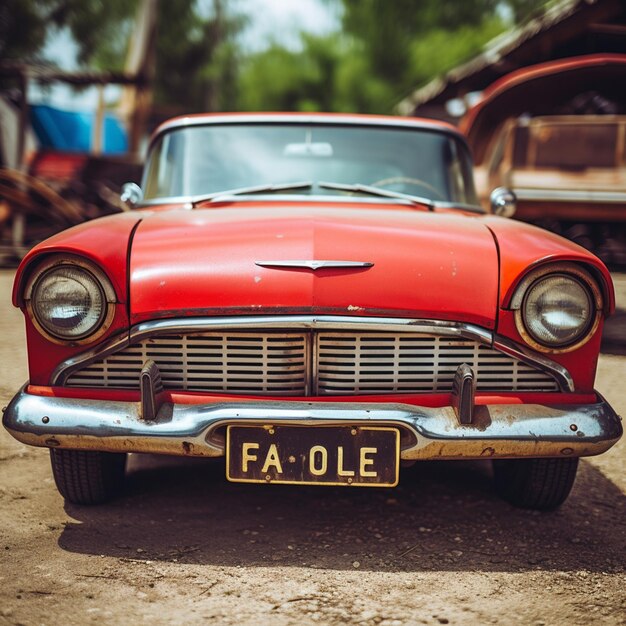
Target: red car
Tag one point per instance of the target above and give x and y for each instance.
(315, 298)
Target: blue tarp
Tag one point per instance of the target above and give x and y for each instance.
(69, 131)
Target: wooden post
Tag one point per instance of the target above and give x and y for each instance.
(97, 132)
(19, 220)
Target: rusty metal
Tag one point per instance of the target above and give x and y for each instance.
(498, 431)
(396, 328)
(151, 390)
(313, 455)
(463, 391)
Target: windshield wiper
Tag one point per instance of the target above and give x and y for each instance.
(377, 191)
(243, 191)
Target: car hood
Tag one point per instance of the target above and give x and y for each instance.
(204, 262)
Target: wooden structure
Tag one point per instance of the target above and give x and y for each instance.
(567, 28)
(59, 189)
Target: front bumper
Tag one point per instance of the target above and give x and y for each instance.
(497, 431)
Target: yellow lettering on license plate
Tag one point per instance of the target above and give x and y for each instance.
(313, 455)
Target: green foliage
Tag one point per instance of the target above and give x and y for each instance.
(385, 49)
(282, 80)
(442, 49)
(99, 27)
(196, 56)
(407, 42)
(22, 28)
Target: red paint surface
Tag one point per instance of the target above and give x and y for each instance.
(103, 241)
(44, 355)
(581, 363)
(57, 165)
(524, 247)
(440, 265)
(426, 265)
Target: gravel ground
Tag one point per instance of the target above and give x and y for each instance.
(185, 547)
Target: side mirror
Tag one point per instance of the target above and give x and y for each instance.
(131, 194)
(503, 202)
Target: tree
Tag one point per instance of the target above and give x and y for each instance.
(196, 51)
(196, 56)
(20, 42)
(98, 27)
(385, 49)
(282, 80)
(406, 42)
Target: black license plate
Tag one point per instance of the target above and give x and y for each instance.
(313, 455)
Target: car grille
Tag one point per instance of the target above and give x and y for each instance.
(319, 363)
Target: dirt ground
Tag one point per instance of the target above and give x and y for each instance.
(183, 546)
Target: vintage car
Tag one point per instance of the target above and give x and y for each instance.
(318, 299)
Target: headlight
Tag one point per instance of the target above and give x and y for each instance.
(69, 301)
(557, 311)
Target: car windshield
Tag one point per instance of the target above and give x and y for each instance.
(194, 161)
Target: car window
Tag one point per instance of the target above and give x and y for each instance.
(199, 160)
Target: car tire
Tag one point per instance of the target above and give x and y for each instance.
(86, 477)
(540, 484)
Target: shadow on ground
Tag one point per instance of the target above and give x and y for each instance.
(614, 334)
(443, 516)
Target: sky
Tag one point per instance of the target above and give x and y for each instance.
(278, 20)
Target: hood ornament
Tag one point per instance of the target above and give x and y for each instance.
(314, 265)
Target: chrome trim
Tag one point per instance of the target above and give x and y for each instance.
(59, 259)
(570, 195)
(554, 269)
(107, 291)
(314, 366)
(314, 265)
(548, 269)
(263, 322)
(325, 322)
(560, 373)
(312, 322)
(498, 431)
(64, 369)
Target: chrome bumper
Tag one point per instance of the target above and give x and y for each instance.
(519, 430)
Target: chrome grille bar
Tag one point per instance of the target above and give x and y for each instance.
(238, 363)
(312, 362)
(386, 363)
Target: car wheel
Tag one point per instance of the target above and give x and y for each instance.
(86, 477)
(540, 484)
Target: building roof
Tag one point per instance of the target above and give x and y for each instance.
(564, 29)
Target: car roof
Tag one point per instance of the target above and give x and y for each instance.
(341, 119)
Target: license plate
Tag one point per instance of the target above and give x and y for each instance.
(312, 455)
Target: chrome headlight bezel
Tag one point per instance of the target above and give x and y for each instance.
(565, 270)
(94, 274)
